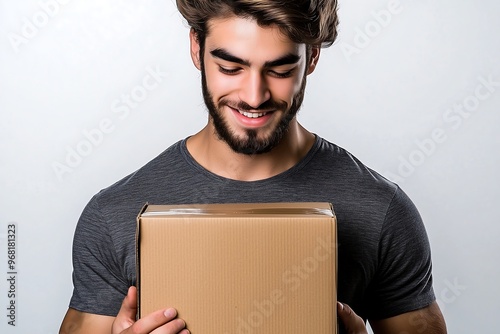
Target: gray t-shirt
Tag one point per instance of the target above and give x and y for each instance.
(384, 260)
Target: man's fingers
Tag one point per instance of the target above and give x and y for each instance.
(161, 322)
(352, 322)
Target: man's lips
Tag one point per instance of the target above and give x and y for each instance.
(252, 114)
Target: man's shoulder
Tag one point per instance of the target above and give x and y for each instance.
(347, 170)
(163, 167)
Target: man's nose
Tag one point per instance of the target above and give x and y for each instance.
(255, 90)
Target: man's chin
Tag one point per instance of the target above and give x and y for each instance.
(249, 151)
(248, 146)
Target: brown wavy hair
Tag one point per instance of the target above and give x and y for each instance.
(313, 22)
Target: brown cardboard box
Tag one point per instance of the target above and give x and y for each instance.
(240, 268)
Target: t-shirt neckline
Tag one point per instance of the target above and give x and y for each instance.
(292, 170)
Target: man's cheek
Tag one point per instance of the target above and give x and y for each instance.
(286, 93)
(222, 85)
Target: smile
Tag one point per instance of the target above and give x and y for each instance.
(252, 114)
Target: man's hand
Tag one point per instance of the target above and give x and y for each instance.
(352, 322)
(161, 322)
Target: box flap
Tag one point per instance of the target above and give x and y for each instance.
(242, 209)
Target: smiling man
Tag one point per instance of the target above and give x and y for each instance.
(254, 58)
(253, 82)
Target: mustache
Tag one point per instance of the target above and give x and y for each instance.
(243, 106)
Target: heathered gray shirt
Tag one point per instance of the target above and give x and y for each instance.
(384, 260)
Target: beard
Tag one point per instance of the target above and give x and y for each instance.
(251, 143)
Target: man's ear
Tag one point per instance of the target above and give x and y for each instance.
(315, 51)
(195, 49)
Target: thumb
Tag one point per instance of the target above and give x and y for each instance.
(127, 314)
(352, 322)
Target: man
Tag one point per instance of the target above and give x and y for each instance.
(254, 57)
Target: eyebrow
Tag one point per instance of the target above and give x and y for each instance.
(287, 59)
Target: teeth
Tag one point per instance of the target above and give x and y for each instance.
(252, 114)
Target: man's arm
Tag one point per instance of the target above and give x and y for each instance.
(427, 320)
(76, 322)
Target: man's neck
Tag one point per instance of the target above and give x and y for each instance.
(216, 156)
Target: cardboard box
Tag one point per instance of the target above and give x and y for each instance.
(240, 268)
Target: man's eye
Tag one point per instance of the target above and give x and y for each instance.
(286, 74)
(228, 70)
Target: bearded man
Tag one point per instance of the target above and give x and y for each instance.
(254, 58)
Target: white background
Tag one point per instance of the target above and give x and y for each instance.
(383, 102)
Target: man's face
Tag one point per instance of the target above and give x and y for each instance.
(253, 81)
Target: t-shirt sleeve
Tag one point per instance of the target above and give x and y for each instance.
(98, 285)
(403, 281)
